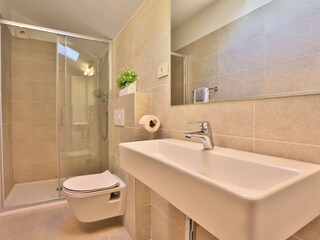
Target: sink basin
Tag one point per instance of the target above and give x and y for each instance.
(235, 195)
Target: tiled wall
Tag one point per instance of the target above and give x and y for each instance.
(6, 82)
(285, 127)
(255, 56)
(137, 217)
(33, 110)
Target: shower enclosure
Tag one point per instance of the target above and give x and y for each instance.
(54, 96)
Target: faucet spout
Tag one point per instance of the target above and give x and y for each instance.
(205, 135)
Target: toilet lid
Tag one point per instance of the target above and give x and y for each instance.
(91, 183)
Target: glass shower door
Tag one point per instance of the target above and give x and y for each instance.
(79, 137)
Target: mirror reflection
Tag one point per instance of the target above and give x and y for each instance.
(225, 50)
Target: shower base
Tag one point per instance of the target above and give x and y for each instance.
(32, 192)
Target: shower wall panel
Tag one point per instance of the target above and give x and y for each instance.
(34, 110)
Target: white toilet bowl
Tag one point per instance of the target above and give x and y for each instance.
(95, 197)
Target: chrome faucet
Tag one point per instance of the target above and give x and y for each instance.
(204, 134)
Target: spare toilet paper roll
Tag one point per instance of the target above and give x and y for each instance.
(150, 122)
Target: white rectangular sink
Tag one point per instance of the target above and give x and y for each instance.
(235, 195)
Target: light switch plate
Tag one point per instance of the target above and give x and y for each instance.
(163, 70)
(118, 117)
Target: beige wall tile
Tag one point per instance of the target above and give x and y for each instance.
(33, 70)
(306, 153)
(33, 91)
(295, 40)
(7, 135)
(127, 103)
(238, 115)
(34, 132)
(143, 222)
(159, 226)
(35, 172)
(34, 153)
(147, 64)
(141, 134)
(292, 119)
(142, 194)
(207, 45)
(176, 216)
(131, 188)
(114, 164)
(33, 112)
(145, 34)
(6, 111)
(33, 49)
(284, 12)
(248, 83)
(6, 64)
(142, 106)
(8, 170)
(126, 134)
(159, 103)
(243, 29)
(123, 48)
(8, 160)
(248, 55)
(114, 136)
(174, 232)
(295, 75)
(6, 85)
(244, 144)
(206, 67)
(159, 203)
(129, 219)
(180, 116)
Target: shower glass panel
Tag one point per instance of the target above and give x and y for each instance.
(29, 116)
(54, 96)
(85, 97)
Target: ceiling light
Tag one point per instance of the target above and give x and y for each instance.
(89, 71)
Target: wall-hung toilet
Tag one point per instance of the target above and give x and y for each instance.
(95, 197)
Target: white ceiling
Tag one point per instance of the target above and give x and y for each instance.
(100, 18)
(183, 10)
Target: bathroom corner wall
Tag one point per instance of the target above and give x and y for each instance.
(6, 81)
(286, 127)
(137, 216)
(34, 110)
(142, 45)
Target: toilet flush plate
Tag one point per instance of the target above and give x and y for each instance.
(118, 117)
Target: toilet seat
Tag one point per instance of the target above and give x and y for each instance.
(91, 183)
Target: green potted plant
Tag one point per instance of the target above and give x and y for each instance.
(126, 81)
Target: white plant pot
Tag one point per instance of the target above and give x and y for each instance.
(131, 88)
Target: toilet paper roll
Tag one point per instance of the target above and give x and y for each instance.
(150, 122)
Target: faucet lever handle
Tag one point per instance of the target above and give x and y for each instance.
(204, 125)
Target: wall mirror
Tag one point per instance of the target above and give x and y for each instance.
(226, 50)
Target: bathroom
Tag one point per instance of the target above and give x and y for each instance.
(272, 44)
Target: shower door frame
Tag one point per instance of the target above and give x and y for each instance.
(59, 34)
